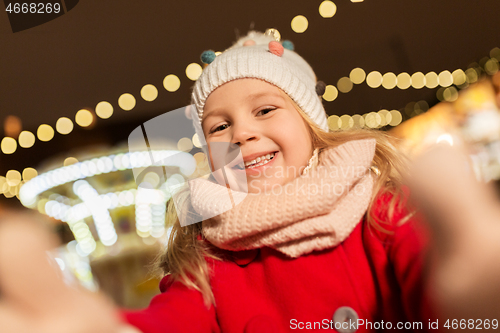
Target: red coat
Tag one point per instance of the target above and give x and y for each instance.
(372, 276)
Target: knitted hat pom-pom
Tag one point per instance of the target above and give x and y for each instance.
(207, 57)
(276, 48)
(288, 45)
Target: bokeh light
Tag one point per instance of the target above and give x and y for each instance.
(149, 92)
(327, 9)
(171, 83)
(431, 80)
(334, 122)
(13, 177)
(357, 75)
(64, 125)
(29, 173)
(404, 81)
(299, 24)
(12, 126)
(104, 110)
(459, 77)
(70, 161)
(445, 79)
(45, 132)
(372, 120)
(185, 144)
(8, 145)
(26, 139)
(450, 94)
(389, 80)
(396, 118)
(126, 101)
(84, 118)
(418, 80)
(344, 85)
(193, 71)
(331, 93)
(374, 79)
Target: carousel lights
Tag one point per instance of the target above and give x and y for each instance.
(100, 214)
(106, 164)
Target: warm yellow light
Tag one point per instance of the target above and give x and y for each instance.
(471, 74)
(185, 144)
(357, 0)
(344, 85)
(13, 177)
(359, 121)
(331, 93)
(491, 66)
(64, 125)
(45, 132)
(431, 80)
(334, 122)
(389, 80)
(374, 79)
(26, 139)
(450, 94)
(396, 118)
(171, 83)
(84, 118)
(149, 92)
(404, 81)
(29, 173)
(126, 101)
(346, 122)
(70, 161)
(384, 119)
(3, 185)
(495, 53)
(357, 75)
(459, 77)
(445, 79)
(327, 9)
(196, 140)
(418, 80)
(8, 145)
(12, 126)
(104, 110)
(372, 119)
(218, 53)
(299, 24)
(193, 71)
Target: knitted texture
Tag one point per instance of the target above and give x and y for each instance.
(315, 211)
(290, 72)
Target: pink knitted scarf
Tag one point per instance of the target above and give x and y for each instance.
(315, 211)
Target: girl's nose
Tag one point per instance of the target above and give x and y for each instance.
(244, 131)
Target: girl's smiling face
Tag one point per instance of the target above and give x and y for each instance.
(262, 121)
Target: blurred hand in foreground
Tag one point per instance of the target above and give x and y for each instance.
(33, 296)
(464, 219)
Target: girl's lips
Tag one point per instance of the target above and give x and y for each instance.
(260, 169)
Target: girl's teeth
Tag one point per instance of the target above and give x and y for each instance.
(263, 160)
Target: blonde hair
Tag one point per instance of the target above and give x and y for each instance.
(185, 256)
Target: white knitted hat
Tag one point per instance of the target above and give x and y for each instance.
(261, 56)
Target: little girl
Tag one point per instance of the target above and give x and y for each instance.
(323, 239)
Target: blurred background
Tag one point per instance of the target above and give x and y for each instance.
(74, 88)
